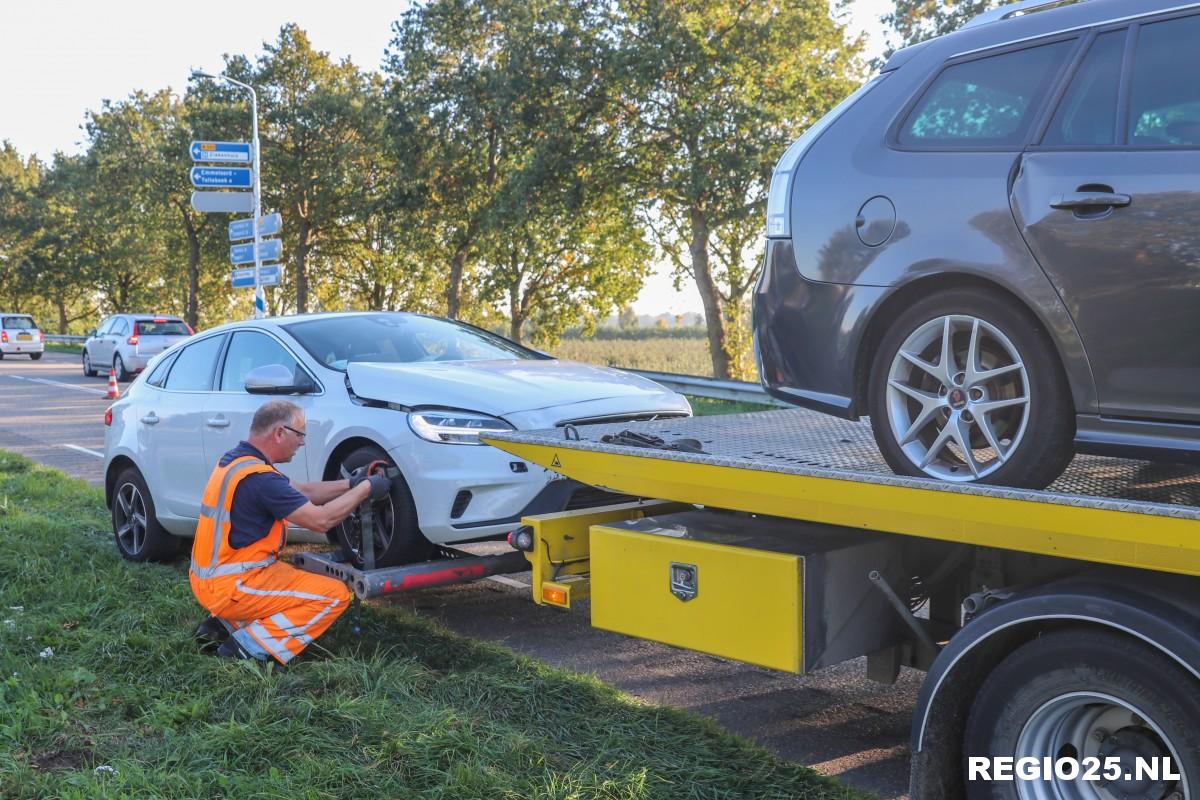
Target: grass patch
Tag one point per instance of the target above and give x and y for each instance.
(63, 347)
(103, 694)
(707, 406)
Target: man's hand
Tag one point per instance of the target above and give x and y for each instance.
(362, 473)
(381, 486)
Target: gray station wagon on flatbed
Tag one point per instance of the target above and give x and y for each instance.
(992, 248)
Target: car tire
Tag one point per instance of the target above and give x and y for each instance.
(398, 537)
(88, 370)
(1013, 442)
(123, 375)
(1085, 693)
(136, 529)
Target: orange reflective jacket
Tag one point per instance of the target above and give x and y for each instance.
(215, 564)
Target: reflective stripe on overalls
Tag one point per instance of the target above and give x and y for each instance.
(213, 557)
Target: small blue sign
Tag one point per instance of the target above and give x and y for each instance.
(222, 177)
(268, 250)
(268, 275)
(242, 278)
(244, 228)
(221, 152)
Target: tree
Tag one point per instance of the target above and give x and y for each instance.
(915, 21)
(717, 89)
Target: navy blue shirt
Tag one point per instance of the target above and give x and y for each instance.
(259, 499)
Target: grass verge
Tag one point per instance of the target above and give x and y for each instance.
(103, 694)
(706, 406)
(63, 347)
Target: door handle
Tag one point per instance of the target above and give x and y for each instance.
(217, 422)
(1073, 200)
(150, 419)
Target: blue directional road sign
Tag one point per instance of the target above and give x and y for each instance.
(221, 152)
(244, 228)
(268, 250)
(222, 177)
(243, 277)
(223, 202)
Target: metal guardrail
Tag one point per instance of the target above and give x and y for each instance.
(713, 388)
(65, 339)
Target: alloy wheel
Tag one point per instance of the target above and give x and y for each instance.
(957, 398)
(129, 516)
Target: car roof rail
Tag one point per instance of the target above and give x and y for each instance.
(1018, 9)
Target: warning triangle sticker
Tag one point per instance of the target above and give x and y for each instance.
(555, 462)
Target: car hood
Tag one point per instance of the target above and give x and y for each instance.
(508, 387)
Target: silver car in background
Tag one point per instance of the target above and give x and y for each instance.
(126, 343)
(20, 335)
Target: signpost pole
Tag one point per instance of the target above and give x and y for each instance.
(259, 304)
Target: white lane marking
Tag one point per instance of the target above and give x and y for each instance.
(84, 450)
(48, 382)
(506, 581)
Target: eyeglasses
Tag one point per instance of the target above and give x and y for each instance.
(301, 434)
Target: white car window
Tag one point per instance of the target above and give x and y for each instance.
(193, 367)
(18, 323)
(120, 328)
(248, 350)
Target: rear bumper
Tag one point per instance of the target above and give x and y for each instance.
(808, 335)
(13, 348)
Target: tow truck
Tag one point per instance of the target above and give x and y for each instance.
(1056, 628)
(1061, 624)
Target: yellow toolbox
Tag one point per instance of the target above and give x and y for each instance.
(772, 592)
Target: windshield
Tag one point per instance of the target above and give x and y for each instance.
(400, 339)
(161, 328)
(19, 322)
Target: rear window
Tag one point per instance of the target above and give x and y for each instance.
(988, 102)
(400, 339)
(1165, 95)
(11, 323)
(165, 328)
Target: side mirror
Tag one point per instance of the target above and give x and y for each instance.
(278, 379)
(91, 333)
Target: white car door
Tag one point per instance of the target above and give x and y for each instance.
(229, 410)
(171, 429)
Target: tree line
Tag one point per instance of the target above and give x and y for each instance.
(519, 164)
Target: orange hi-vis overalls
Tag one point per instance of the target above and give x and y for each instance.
(272, 608)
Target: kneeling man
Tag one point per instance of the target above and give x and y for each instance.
(273, 609)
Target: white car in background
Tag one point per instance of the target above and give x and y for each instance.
(414, 390)
(20, 335)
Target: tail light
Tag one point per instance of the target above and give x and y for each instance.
(108, 417)
(41, 336)
(132, 340)
(4, 337)
(190, 331)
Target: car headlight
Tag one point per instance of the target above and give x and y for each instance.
(446, 427)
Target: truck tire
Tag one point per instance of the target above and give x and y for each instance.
(398, 538)
(138, 534)
(1080, 693)
(1012, 406)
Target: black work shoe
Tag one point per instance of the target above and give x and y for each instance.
(210, 634)
(232, 648)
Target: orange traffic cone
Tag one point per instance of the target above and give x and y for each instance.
(113, 392)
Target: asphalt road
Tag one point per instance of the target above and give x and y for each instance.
(835, 721)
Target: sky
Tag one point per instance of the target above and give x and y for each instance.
(60, 58)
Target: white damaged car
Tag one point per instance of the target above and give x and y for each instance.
(410, 389)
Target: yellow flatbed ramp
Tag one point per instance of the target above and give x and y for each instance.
(800, 465)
